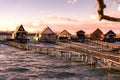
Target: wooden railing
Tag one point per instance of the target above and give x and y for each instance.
(81, 54)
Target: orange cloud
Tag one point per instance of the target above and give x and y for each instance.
(59, 23)
(50, 19)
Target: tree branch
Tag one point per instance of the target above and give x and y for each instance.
(101, 7)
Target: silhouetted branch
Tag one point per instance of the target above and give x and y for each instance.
(111, 18)
(101, 7)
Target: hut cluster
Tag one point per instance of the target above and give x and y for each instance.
(49, 36)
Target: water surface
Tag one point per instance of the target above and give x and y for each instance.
(16, 64)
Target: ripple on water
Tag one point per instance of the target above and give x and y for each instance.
(25, 65)
(18, 69)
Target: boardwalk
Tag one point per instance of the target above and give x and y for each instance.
(94, 50)
(77, 51)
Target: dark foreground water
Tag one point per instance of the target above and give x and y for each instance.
(25, 65)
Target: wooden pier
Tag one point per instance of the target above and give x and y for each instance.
(75, 52)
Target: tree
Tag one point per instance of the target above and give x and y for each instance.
(101, 6)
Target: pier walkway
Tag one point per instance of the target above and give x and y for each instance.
(87, 53)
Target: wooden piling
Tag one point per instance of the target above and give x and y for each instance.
(61, 55)
(82, 58)
(109, 65)
(91, 60)
(70, 56)
(86, 59)
(78, 56)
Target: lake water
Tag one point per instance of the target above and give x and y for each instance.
(26, 65)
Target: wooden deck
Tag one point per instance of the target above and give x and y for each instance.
(77, 52)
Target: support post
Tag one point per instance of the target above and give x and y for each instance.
(91, 60)
(61, 55)
(70, 55)
(82, 57)
(94, 62)
(78, 56)
(47, 50)
(86, 59)
(109, 65)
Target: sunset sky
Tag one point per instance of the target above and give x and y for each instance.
(72, 15)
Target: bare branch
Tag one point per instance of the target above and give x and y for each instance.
(101, 7)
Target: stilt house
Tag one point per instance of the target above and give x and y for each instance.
(97, 35)
(64, 36)
(20, 35)
(48, 36)
(81, 36)
(110, 36)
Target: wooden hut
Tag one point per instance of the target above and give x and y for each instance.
(110, 36)
(81, 36)
(97, 35)
(48, 36)
(20, 35)
(64, 36)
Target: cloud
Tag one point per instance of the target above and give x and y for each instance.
(119, 7)
(72, 1)
(93, 17)
(51, 19)
(59, 23)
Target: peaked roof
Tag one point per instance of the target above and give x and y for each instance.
(81, 31)
(65, 31)
(19, 29)
(97, 31)
(47, 31)
(110, 32)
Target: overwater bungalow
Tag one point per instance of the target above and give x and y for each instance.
(20, 35)
(110, 36)
(48, 36)
(81, 36)
(97, 35)
(64, 36)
